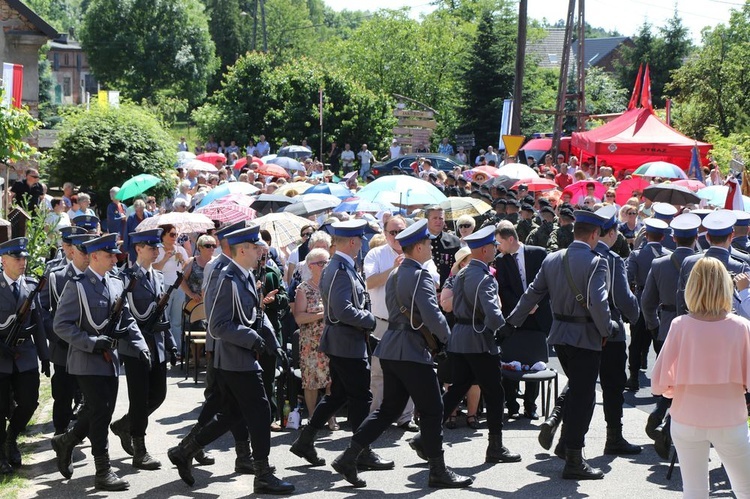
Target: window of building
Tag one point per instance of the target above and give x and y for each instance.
(66, 59)
(67, 90)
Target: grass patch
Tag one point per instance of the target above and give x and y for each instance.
(11, 485)
(181, 129)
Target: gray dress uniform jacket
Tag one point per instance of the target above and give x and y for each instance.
(590, 274)
(79, 328)
(639, 264)
(142, 301)
(232, 321)
(732, 265)
(48, 299)
(416, 292)
(476, 307)
(34, 347)
(622, 302)
(210, 281)
(659, 298)
(348, 321)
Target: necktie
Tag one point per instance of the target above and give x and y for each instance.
(520, 271)
(16, 292)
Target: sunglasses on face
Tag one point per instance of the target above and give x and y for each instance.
(464, 226)
(172, 234)
(394, 233)
(209, 246)
(321, 263)
(307, 234)
(610, 195)
(631, 213)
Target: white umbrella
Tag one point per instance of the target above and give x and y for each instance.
(201, 166)
(283, 227)
(402, 190)
(517, 171)
(184, 222)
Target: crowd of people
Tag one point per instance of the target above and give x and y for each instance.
(372, 303)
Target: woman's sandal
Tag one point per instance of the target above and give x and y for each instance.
(451, 423)
(471, 422)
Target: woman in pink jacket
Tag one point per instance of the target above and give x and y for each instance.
(703, 366)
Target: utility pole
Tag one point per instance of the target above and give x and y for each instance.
(563, 82)
(581, 108)
(515, 122)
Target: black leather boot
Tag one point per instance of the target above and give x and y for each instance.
(265, 481)
(121, 428)
(141, 458)
(633, 384)
(560, 449)
(656, 418)
(63, 446)
(576, 468)
(369, 460)
(304, 446)
(549, 428)
(201, 458)
(182, 457)
(346, 464)
(5, 467)
(498, 453)
(663, 441)
(617, 445)
(106, 479)
(243, 463)
(416, 444)
(12, 452)
(443, 477)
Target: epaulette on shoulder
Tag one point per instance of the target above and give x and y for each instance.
(79, 277)
(31, 280)
(229, 275)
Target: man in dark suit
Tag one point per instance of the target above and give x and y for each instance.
(516, 267)
(444, 244)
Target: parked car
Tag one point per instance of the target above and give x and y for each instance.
(439, 161)
(538, 148)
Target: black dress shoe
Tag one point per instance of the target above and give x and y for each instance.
(368, 460)
(5, 467)
(532, 415)
(409, 426)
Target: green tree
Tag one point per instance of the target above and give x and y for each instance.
(104, 147)
(62, 14)
(141, 47)
(668, 53)
(712, 86)
(631, 58)
(16, 126)
(230, 32)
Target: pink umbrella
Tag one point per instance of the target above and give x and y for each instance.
(215, 158)
(579, 190)
(490, 171)
(692, 184)
(228, 211)
(626, 188)
(536, 184)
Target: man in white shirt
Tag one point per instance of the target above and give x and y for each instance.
(395, 149)
(262, 148)
(378, 264)
(365, 158)
(491, 155)
(347, 158)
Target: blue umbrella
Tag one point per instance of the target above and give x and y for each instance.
(714, 194)
(660, 169)
(353, 205)
(401, 190)
(337, 190)
(226, 189)
(287, 163)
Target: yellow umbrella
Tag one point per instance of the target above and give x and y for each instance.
(300, 187)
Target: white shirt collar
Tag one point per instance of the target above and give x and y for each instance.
(11, 281)
(347, 258)
(244, 271)
(99, 277)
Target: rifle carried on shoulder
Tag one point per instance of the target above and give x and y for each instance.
(14, 337)
(114, 318)
(161, 305)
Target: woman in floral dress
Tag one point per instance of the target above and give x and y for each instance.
(308, 312)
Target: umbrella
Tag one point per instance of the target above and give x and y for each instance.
(670, 193)
(456, 207)
(254, 163)
(353, 205)
(536, 184)
(295, 152)
(501, 181)
(184, 222)
(215, 158)
(692, 184)
(137, 185)
(227, 189)
(338, 190)
(300, 187)
(283, 227)
(272, 170)
(201, 166)
(286, 163)
(402, 190)
(266, 158)
(746, 203)
(270, 203)
(306, 207)
(517, 171)
(227, 211)
(578, 190)
(714, 194)
(184, 157)
(487, 170)
(627, 188)
(660, 169)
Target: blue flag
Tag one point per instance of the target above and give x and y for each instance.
(695, 171)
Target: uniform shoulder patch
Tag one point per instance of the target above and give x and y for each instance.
(79, 277)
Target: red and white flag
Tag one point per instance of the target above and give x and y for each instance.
(646, 92)
(734, 196)
(636, 89)
(12, 84)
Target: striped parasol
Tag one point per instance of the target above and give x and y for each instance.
(283, 227)
(227, 211)
(454, 207)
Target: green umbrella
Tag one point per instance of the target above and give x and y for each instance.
(137, 185)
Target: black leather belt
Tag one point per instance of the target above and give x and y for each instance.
(669, 308)
(572, 318)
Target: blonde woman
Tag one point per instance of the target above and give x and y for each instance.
(465, 225)
(704, 368)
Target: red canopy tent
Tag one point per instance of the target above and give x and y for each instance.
(638, 136)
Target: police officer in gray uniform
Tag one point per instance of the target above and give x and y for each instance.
(473, 344)
(147, 382)
(240, 339)
(243, 463)
(64, 384)
(65, 254)
(577, 281)
(348, 322)
(19, 362)
(81, 319)
(407, 362)
(638, 265)
(659, 298)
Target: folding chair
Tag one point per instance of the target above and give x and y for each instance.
(193, 314)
